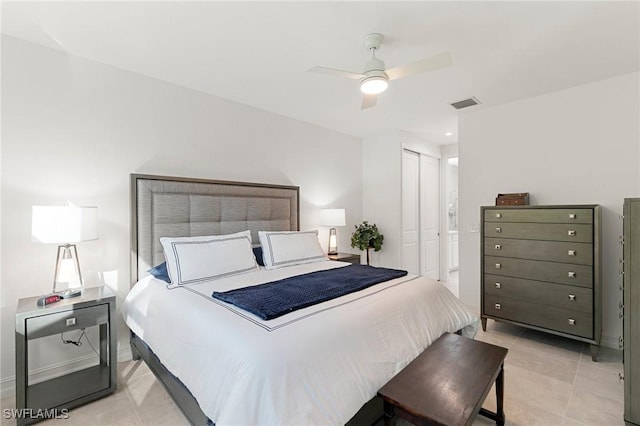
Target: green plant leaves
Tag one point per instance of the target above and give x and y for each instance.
(367, 236)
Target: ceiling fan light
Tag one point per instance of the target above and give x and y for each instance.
(373, 85)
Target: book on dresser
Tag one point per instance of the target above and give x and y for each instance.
(541, 268)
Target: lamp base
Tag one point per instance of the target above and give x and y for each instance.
(68, 271)
(333, 242)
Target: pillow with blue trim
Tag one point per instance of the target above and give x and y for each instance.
(192, 260)
(286, 248)
(160, 272)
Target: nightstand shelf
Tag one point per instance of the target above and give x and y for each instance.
(345, 257)
(92, 382)
(94, 308)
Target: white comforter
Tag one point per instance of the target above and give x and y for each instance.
(315, 366)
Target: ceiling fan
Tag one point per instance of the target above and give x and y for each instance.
(375, 78)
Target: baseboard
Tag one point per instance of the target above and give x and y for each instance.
(610, 342)
(124, 352)
(8, 384)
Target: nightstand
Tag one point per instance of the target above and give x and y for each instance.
(345, 257)
(96, 306)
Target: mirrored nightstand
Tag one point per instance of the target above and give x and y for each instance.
(95, 307)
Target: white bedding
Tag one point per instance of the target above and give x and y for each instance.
(315, 366)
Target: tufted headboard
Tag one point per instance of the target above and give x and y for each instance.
(164, 206)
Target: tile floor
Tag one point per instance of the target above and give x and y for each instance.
(548, 381)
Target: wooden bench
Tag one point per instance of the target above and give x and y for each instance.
(447, 384)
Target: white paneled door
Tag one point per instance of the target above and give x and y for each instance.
(411, 212)
(420, 214)
(430, 216)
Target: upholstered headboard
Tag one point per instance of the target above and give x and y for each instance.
(164, 206)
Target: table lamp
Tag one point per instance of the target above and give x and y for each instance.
(332, 217)
(65, 226)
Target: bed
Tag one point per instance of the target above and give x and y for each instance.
(223, 365)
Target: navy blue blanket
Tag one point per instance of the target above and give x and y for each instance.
(274, 299)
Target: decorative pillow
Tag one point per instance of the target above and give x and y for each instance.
(257, 252)
(195, 259)
(160, 272)
(285, 248)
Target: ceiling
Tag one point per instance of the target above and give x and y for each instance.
(257, 53)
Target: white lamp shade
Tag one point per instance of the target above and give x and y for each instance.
(332, 217)
(64, 224)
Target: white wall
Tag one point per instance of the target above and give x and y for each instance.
(74, 129)
(382, 188)
(382, 194)
(575, 146)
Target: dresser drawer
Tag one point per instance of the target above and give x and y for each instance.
(578, 215)
(46, 325)
(563, 273)
(551, 317)
(560, 295)
(578, 233)
(553, 251)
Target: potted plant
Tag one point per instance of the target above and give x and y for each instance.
(367, 237)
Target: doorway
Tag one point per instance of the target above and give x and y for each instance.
(451, 178)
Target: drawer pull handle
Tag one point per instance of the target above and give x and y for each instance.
(571, 233)
(572, 321)
(498, 285)
(571, 252)
(498, 215)
(498, 247)
(498, 307)
(572, 297)
(70, 321)
(498, 266)
(498, 230)
(571, 274)
(572, 215)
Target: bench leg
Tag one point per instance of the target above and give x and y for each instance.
(498, 416)
(388, 414)
(500, 397)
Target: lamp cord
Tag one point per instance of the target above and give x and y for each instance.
(78, 342)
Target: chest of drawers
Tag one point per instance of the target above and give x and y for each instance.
(540, 269)
(631, 323)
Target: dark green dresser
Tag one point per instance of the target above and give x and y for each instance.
(631, 323)
(540, 269)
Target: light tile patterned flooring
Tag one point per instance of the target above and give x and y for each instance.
(548, 381)
(551, 380)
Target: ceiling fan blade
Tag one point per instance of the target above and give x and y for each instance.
(431, 63)
(369, 101)
(339, 73)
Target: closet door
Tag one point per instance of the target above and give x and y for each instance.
(420, 214)
(430, 216)
(411, 211)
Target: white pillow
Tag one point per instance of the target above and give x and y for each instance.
(285, 248)
(195, 259)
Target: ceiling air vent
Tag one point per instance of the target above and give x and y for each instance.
(465, 103)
